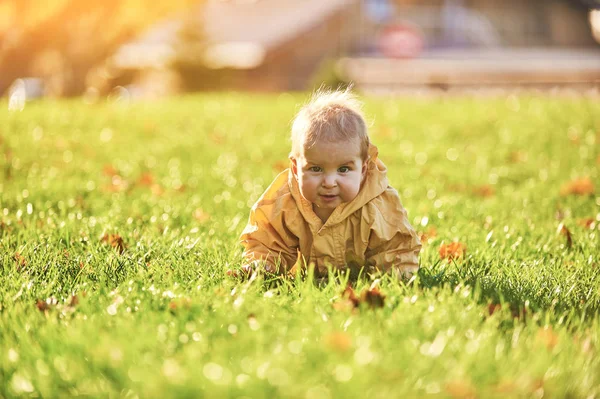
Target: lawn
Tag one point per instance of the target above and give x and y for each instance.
(118, 222)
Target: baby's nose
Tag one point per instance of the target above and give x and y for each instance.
(329, 181)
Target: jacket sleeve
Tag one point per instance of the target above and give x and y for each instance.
(392, 241)
(267, 238)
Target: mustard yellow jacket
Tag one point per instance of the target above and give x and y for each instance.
(371, 231)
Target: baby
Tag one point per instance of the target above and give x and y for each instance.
(333, 206)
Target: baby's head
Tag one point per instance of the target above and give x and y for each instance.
(330, 146)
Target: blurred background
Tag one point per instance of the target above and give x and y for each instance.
(145, 49)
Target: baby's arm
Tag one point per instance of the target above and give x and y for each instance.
(268, 244)
(393, 243)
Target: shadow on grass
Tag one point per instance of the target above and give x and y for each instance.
(539, 290)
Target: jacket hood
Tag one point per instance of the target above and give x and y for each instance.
(375, 183)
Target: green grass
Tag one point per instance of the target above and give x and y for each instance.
(175, 180)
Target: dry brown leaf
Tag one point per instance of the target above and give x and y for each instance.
(460, 389)
(200, 215)
(458, 187)
(42, 305)
(146, 179)
(109, 170)
(74, 301)
(149, 127)
(351, 296)
(338, 341)
(20, 260)
(518, 313)
(547, 337)
(505, 387)
(217, 137)
(563, 230)
(46, 305)
(582, 186)
(493, 308)
(484, 191)
(350, 301)
(373, 297)
(115, 241)
(117, 184)
(518, 157)
(157, 189)
(427, 236)
(453, 251)
(344, 305)
(588, 223)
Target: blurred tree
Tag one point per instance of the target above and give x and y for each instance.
(62, 40)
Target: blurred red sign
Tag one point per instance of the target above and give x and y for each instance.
(400, 41)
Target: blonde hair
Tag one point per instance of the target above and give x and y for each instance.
(332, 116)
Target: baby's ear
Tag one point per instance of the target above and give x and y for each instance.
(294, 166)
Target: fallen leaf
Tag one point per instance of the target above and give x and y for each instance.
(46, 305)
(460, 389)
(588, 223)
(338, 341)
(493, 308)
(74, 301)
(453, 251)
(484, 191)
(157, 189)
(562, 229)
(115, 241)
(518, 157)
(547, 337)
(42, 305)
(20, 260)
(582, 186)
(146, 179)
(149, 127)
(458, 188)
(518, 313)
(117, 184)
(427, 236)
(351, 296)
(217, 137)
(505, 387)
(373, 297)
(344, 305)
(200, 215)
(109, 170)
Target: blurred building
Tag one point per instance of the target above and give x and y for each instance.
(272, 45)
(262, 45)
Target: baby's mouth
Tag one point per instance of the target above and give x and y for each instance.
(328, 198)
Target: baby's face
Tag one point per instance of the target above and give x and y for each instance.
(330, 173)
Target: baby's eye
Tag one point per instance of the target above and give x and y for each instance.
(315, 168)
(344, 169)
